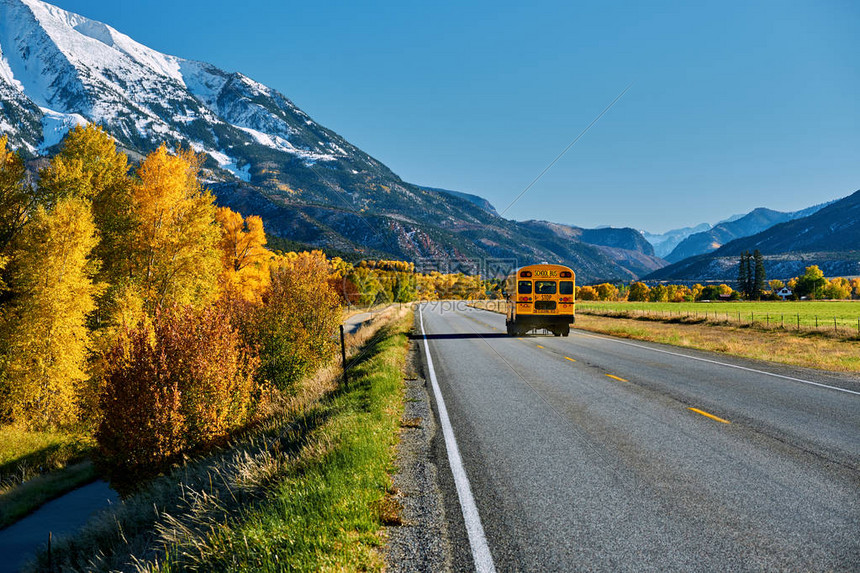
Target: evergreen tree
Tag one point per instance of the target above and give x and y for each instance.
(759, 275)
(744, 274)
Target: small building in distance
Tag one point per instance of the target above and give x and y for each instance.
(783, 293)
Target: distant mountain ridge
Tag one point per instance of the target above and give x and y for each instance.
(736, 227)
(829, 238)
(264, 155)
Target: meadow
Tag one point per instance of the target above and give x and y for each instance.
(805, 315)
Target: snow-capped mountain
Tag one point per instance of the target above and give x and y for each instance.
(265, 155)
(59, 69)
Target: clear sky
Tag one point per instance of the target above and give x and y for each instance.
(733, 105)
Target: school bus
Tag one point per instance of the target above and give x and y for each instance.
(540, 296)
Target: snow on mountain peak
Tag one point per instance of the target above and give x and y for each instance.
(59, 69)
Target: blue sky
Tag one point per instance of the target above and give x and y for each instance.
(733, 105)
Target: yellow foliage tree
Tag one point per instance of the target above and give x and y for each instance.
(174, 242)
(90, 166)
(244, 257)
(47, 337)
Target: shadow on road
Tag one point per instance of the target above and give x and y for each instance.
(458, 336)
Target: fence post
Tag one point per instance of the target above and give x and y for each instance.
(834, 325)
(798, 322)
(343, 354)
(816, 322)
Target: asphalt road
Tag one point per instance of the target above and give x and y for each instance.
(583, 454)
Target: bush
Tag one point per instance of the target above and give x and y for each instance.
(294, 328)
(179, 386)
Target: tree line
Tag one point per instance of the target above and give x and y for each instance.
(811, 285)
(135, 309)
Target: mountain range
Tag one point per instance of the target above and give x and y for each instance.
(829, 238)
(265, 156)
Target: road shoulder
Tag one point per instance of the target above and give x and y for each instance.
(421, 542)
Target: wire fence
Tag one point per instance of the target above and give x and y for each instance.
(799, 322)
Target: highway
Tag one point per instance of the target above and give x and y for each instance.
(593, 453)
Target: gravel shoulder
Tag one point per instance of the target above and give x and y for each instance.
(422, 541)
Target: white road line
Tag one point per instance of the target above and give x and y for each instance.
(480, 550)
(721, 363)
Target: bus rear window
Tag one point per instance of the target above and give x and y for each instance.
(565, 287)
(524, 287)
(545, 287)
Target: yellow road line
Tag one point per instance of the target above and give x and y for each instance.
(617, 378)
(539, 346)
(711, 416)
(519, 338)
(569, 358)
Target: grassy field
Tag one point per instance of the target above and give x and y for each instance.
(806, 348)
(773, 313)
(36, 467)
(308, 490)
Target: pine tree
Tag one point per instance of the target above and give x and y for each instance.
(45, 328)
(743, 274)
(759, 275)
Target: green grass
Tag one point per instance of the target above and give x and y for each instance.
(327, 513)
(36, 467)
(846, 313)
(306, 489)
(28, 496)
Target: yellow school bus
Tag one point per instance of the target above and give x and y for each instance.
(540, 296)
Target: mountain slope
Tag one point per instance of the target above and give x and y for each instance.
(829, 238)
(264, 154)
(663, 243)
(736, 227)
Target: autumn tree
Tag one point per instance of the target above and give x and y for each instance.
(811, 284)
(46, 333)
(659, 293)
(244, 257)
(606, 291)
(294, 328)
(838, 288)
(89, 166)
(175, 259)
(586, 293)
(638, 292)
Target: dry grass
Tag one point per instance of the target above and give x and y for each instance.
(806, 349)
(193, 505)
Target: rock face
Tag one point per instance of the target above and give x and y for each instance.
(829, 238)
(263, 154)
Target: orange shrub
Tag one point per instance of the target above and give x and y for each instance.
(178, 387)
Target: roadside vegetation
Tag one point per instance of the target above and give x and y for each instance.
(307, 489)
(141, 325)
(788, 315)
(822, 349)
